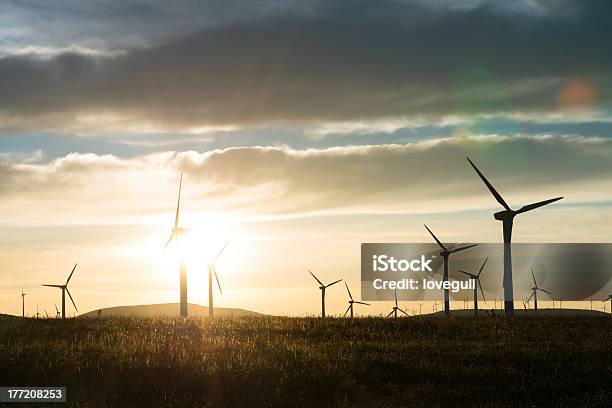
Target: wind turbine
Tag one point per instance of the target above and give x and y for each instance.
(446, 254)
(64, 289)
(23, 295)
(506, 216)
(534, 293)
(57, 312)
(175, 235)
(351, 302)
(212, 271)
(420, 308)
(396, 308)
(476, 277)
(608, 298)
(37, 314)
(323, 287)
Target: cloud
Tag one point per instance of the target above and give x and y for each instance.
(317, 62)
(428, 176)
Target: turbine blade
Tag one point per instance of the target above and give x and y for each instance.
(390, 313)
(349, 291)
(347, 310)
(317, 279)
(497, 196)
(544, 290)
(178, 202)
(395, 297)
(217, 278)
(537, 205)
(532, 293)
(463, 248)
(402, 311)
(70, 276)
(333, 283)
(483, 265)
(436, 238)
(169, 240)
(71, 299)
(220, 252)
(465, 273)
(481, 291)
(533, 276)
(53, 286)
(363, 303)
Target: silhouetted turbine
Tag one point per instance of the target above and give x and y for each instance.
(396, 308)
(609, 298)
(351, 302)
(445, 255)
(176, 233)
(212, 271)
(23, 295)
(65, 290)
(534, 293)
(476, 277)
(323, 287)
(506, 216)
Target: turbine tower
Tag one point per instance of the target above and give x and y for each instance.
(212, 271)
(176, 233)
(534, 293)
(65, 290)
(476, 277)
(446, 254)
(396, 308)
(506, 216)
(351, 302)
(610, 299)
(323, 287)
(23, 295)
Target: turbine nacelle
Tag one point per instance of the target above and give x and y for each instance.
(504, 215)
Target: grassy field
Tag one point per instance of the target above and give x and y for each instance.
(274, 361)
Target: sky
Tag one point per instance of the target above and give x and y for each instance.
(302, 128)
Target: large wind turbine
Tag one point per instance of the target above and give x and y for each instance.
(351, 302)
(65, 290)
(323, 287)
(445, 255)
(506, 216)
(396, 308)
(609, 298)
(212, 271)
(23, 295)
(175, 235)
(534, 293)
(476, 277)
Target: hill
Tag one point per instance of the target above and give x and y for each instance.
(166, 309)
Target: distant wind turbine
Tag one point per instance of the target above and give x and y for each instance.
(212, 271)
(57, 312)
(396, 308)
(446, 254)
(175, 235)
(507, 217)
(23, 295)
(476, 277)
(65, 290)
(37, 314)
(323, 287)
(351, 302)
(534, 293)
(610, 299)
